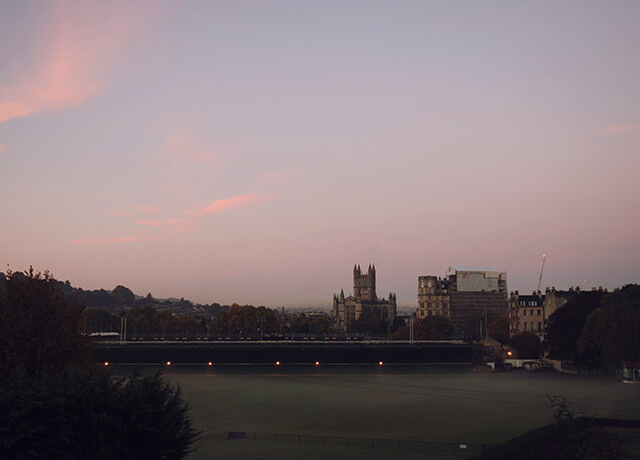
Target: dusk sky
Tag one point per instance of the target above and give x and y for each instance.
(252, 152)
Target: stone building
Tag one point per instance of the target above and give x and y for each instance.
(527, 314)
(433, 297)
(530, 313)
(363, 301)
(471, 297)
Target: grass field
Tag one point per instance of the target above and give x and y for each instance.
(453, 405)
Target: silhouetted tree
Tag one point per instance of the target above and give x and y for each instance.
(369, 324)
(526, 345)
(299, 324)
(565, 326)
(163, 322)
(429, 328)
(320, 325)
(85, 414)
(499, 330)
(99, 320)
(611, 333)
(435, 328)
(40, 330)
(53, 401)
(123, 296)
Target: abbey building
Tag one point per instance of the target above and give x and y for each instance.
(364, 300)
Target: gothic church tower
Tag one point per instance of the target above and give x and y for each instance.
(364, 285)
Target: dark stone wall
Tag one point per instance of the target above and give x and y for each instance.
(229, 353)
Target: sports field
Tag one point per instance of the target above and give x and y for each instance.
(368, 405)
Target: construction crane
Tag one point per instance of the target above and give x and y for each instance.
(544, 259)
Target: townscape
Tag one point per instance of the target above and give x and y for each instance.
(281, 229)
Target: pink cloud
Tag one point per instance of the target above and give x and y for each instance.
(166, 228)
(119, 213)
(226, 203)
(149, 209)
(278, 177)
(104, 241)
(170, 226)
(74, 52)
(621, 128)
(182, 144)
(2, 148)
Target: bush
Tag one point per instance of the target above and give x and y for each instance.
(89, 415)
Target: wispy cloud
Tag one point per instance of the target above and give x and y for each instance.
(278, 178)
(149, 209)
(164, 228)
(104, 241)
(2, 148)
(169, 227)
(76, 49)
(226, 203)
(157, 229)
(182, 143)
(134, 210)
(620, 128)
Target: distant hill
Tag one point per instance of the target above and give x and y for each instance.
(122, 298)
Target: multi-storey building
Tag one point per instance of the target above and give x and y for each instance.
(433, 297)
(530, 313)
(471, 297)
(363, 301)
(526, 314)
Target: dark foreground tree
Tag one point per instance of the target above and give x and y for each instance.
(40, 330)
(55, 403)
(85, 414)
